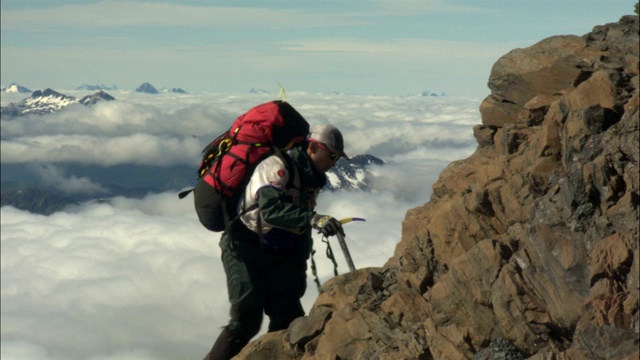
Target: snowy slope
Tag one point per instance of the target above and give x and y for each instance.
(351, 174)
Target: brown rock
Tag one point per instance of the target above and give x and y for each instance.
(305, 328)
(598, 90)
(544, 69)
(484, 134)
(535, 110)
(272, 345)
(610, 258)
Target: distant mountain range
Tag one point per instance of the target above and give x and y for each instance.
(143, 88)
(147, 88)
(429, 93)
(96, 87)
(48, 101)
(22, 190)
(258, 91)
(174, 90)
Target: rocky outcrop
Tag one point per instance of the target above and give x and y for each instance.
(528, 248)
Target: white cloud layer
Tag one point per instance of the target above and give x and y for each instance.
(70, 185)
(168, 129)
(141, 278)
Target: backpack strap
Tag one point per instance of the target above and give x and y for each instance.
(228, 221)
(184, 194)
(291, 166)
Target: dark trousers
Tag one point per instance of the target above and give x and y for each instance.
(258, 281)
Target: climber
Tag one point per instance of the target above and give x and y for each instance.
(265, 254)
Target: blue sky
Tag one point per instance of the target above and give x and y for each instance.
(365, 47)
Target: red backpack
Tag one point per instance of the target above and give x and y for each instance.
(228, 161)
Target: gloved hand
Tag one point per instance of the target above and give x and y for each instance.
(326, 225)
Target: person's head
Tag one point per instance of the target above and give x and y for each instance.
(326, 146)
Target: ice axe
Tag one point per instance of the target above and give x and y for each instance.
(343, 243)
(345, 250)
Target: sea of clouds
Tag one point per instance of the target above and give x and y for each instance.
(141, 278)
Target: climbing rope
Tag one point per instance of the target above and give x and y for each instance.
(331, 257)
(329, 254)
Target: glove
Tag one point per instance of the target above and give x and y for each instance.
(326, 225)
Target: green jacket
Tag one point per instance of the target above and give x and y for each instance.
(285, 191)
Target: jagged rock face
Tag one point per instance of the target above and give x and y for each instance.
(529, 246)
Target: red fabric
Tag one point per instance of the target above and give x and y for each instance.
(255, 128)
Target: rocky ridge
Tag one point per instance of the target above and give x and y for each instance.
(96, 87)
(529, 247)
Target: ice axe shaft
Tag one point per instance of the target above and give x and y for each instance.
(343, 243)
(345, 251)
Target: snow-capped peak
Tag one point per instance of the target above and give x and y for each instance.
(47, 101)
(15, 88)
(351, 174)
